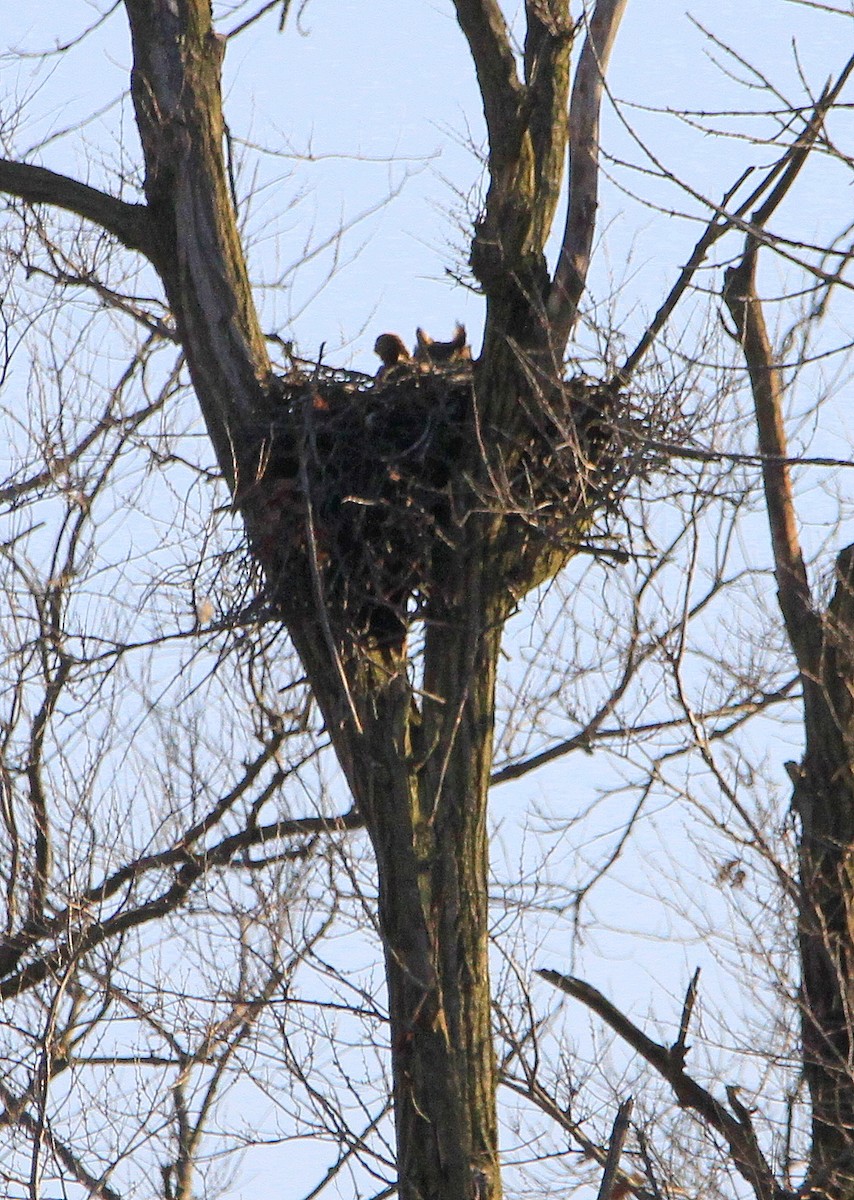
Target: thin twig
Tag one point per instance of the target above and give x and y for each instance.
(784, 172)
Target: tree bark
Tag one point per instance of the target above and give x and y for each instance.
(419, 771)
(175, 85)
(823, 797)
(824, 801)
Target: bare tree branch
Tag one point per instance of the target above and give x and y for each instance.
(784, 171)
(740, 1137)
(485, 29)
(188, 870)
(546, 1103)
(584, 111)
(549, 36)
(741, 299)
(175, 86)
(130, 223)
(615, 1149)
(17, 1113)
(680, 1046)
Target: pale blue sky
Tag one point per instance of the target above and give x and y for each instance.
(391, 84)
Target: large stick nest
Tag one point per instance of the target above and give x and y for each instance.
(358, 482)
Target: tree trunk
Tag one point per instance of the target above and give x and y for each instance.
(419, 763)
(175, 85)
(417, 759)
(824, 801)
(823, 797)
(419, 770)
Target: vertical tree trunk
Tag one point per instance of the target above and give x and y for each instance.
(824, 801)
(823, 798)
(417, 759)
(424, 793)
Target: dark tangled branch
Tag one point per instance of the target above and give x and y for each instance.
(668, 1062)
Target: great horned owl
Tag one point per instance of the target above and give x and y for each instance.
(456, 350)
(392, 351)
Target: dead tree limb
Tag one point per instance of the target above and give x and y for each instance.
(616, 1142)
(737, 1132)
(130, 223)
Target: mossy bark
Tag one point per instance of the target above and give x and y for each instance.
(418, 761)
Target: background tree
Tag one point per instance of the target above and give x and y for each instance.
(397, 528)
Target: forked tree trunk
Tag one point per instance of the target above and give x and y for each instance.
(416, 753)
(418, 765)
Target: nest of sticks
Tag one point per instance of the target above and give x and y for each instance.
(358, 482)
